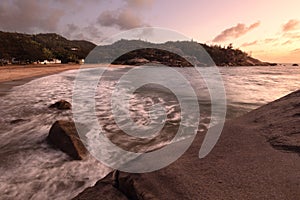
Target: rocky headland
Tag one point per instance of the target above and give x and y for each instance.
(256, 157)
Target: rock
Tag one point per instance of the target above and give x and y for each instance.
(295, 65)
(116, 185)
(63, 135)
(287, 143)
(242, 164)
(61, 105)
(103, 189)
(137, 61)
(17, 121)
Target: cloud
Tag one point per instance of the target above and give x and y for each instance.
(287, 42)
(296, 50)
(291, 25)
(90, 32)
(139, 3)
(126, 17)
(32, 16)
(235, 32)
(294, 35)
(270, 40)
(249, 43)
(29, 16)
(70, 30)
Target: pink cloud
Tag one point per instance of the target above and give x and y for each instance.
(249, 43)
(293, 24)
(235, 32)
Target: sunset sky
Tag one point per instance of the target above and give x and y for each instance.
(268, 29)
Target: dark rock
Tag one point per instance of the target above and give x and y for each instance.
(296, 115)
(17, 121)
(286, 143)
(61, 105)
(295, 65)
(63, 135)
(103, 190)
(116, 185)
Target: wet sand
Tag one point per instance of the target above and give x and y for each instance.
(14, 75)
(18, 72)
(256, 157)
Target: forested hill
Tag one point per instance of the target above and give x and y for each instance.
(30, 48)
(135, 52)
(38, 47)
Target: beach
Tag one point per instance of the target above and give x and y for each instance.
(18, 72)
(14, 75)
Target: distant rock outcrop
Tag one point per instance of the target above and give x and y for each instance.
(63, 135)
(61, 105)
(151, 55)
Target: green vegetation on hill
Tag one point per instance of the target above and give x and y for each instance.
(232, 57)
(135, 52)
(27, 48)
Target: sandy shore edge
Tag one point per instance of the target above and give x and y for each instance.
(15, 75)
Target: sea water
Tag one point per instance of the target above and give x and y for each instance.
(31, 169)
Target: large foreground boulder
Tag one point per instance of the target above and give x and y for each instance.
(63, 135)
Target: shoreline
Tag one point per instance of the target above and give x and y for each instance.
(19, 72)
(256, 157)
(15, 75)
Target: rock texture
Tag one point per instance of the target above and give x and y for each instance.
(61, 105)
(63, 135)
(279, 122)
(243, 165)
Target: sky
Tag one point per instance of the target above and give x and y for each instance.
(266, 29)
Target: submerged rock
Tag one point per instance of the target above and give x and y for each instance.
(63, 135)
(17, 121)
(61, 105)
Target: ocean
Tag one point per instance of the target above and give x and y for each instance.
(31, 169)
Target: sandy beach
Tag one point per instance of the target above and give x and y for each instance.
(18, 72)
(14, 75)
